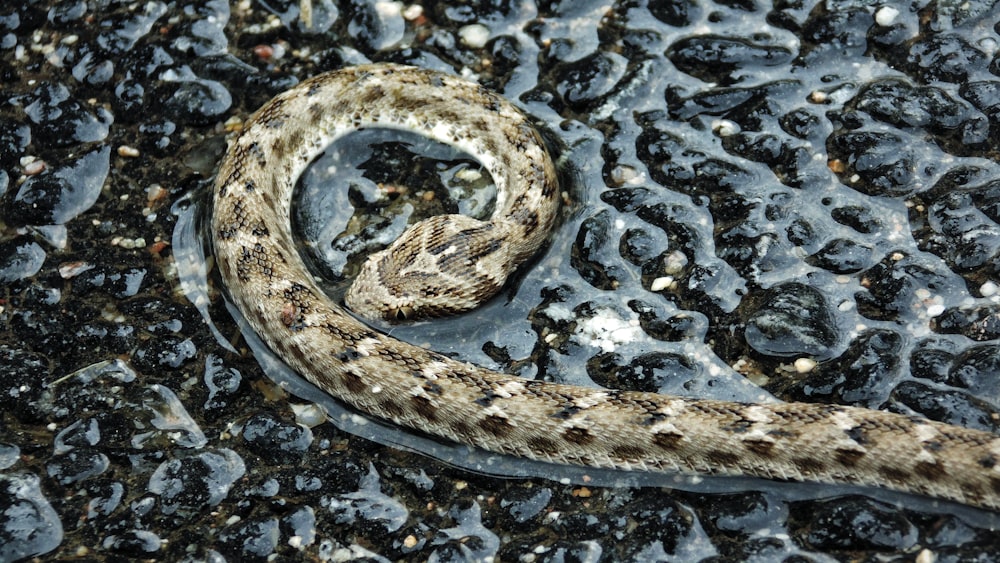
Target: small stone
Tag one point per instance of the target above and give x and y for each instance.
(412, 12)
(263, 52)
(34, 167)
(886, 15)
(988, 289)
(659, 284)
(792, 319)
(126, 151)
(805, 365)
(475, 35)
(725, 128)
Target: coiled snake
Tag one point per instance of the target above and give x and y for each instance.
(423, 390)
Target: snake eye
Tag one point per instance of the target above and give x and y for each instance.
(401, 313)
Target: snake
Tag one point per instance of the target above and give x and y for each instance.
(269, 283)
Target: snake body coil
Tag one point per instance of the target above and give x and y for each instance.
(423, 390)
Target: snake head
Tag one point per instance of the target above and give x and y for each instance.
(444, 265)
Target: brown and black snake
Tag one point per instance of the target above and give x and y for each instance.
(419, 389)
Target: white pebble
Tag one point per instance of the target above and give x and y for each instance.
(474, 35)
(309, 415)
(659, 284)
(127, 151)
(805, 365)
(725, 127)
(988, 289)
(886, 15)
(412, 12)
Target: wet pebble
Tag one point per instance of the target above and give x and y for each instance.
(276, 440)
(135, 543)
(833, 33)
(93, 70)
(946, 57)
(158, 137)
(879, 163)
(650, 372)
(842, 256)
(22, 379)
(324, 13)
(858, 218)
(677, 14)
(299, 527)
(661, 325)
(733, 514)
(369, 506)
(28, 525)
(897, 284)
(159, 419)
(77, 465)
(724, 60)
(81, 433)
(905, 106)
(658, 530)
(204, 34)
(113, 337)
(975, 368)
(855, 524)
(376, 25)
(14, 138)
(186, 485)
(975, 323)
(524, 505)
(641, 246)
(59, 194)
(105, 497)
(252, 538)
(595, 253)
(468, 540)
(984, 95)
(188, 98)
(858, 376)
(66, 13)
(222, 382)
(480, 10)
(959, 220)
(58, 119)
(117, 281)
(953, 407)
(792, 319)
(167, 351)
(160, 316)
(583, 83)
(20, 258)
(9, 455)
(120, 33)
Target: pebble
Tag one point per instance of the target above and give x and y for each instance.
(31, 527)
(474, 36)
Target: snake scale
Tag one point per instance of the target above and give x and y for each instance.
(423, 390)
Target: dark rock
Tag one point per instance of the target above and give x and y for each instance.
(791, 320)
(724, 60)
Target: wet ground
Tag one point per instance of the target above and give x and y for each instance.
(726, 165)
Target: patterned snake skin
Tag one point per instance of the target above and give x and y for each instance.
(423, 390)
